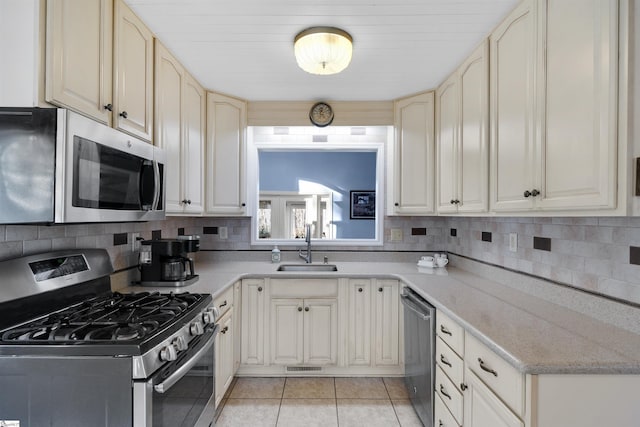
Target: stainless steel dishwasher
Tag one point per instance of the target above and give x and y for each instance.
(419, 353)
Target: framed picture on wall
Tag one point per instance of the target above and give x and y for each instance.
(363, 204)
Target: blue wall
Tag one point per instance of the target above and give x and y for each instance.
(339, 171)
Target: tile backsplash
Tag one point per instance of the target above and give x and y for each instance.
(597, 254)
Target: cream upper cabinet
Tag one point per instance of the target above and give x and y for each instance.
(554, 107)
(225, 185)
(169, 84)
(447, 131)
(180, 121)
(133, 72)
(512, 83)
(461, 137)
(79, 56)
(195, 104)
(413, 165)
(578, 101)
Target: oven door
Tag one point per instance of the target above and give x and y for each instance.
(181, 393)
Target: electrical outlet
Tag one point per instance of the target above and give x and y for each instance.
(513, 242)
(135, 242)
(223, 232)
(396, 234)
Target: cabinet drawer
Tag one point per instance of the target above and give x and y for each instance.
(502, 378)
(449, 394)
(450, 332)
(224, 301)
(442, 416)
(304, 288)
(450, 362)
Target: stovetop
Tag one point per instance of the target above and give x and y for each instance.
(112, 318)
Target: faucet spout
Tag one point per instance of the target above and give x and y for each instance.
(306, 256)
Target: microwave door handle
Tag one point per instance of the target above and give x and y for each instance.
(156, 185)
(141, 188)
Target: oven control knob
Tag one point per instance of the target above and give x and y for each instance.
(168, 353)
(209, 317)
(196, 328)
(180, 343)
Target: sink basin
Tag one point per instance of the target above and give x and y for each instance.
(308, 267)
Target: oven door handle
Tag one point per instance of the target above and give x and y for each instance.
(186, 367)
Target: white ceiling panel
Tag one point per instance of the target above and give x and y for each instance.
(245, 47)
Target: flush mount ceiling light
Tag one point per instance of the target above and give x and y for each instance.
(323, 50)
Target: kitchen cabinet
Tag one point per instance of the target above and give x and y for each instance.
(253, 330)
(483, 408)
(180, 120)
(449, 373)
(412, 168)
(387, 322)
(79, 57)
(360, 325)
(224, 356)
(461, 137)
(554, 107)
(224, 346)
(133, 73)
(226, 157)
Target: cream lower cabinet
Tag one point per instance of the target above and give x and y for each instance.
(304, 331)
(485, 409)
(359, 336)
(386, 334)
(254, 295)
(224, 358)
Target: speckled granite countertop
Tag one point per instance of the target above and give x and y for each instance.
(534, 335)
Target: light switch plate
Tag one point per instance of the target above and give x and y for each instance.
(396, 234)
(513, 242)
(223, 232)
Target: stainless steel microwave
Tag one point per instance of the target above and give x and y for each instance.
(57, 166)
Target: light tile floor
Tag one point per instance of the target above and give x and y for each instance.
(308, 402)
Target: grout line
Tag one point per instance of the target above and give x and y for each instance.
(335, 394)
(284, 385)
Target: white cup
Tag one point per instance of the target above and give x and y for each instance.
(441, 262)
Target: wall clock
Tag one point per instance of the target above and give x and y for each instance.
(321, 114)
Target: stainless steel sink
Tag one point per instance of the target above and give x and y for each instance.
(308, 267)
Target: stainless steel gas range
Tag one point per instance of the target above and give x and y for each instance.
(74, 353)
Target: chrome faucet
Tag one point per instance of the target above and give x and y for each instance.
(306, 256)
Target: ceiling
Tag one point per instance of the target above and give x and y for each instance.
(245, 47)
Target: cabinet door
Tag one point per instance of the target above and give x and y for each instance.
(79, 56)
(483, 409)
(133, 69)
(359, 338)
(286, 331)
(320, 331)
(512, 53)
(414, 156)
(193, 146)
(579, 101)
(447, 129)
(253, 322)
(224, 355)
(169, 85)
(387, 300)
(473, 148)
(237, 304)
(226, 123)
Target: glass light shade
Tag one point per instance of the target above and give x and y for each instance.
(323, 50)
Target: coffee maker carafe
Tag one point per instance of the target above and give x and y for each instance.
(165, 262)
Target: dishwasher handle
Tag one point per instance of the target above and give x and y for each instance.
(408, 302)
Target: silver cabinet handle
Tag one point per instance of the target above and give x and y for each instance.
(445, 330)
(485, 368)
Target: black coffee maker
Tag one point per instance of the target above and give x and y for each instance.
(163, 262)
